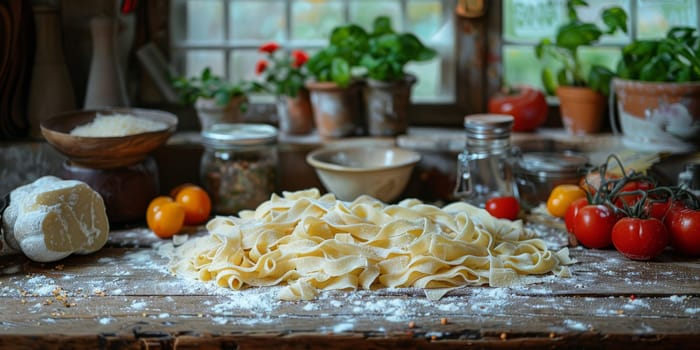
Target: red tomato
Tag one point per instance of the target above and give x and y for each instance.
(593, 226)
(671, 212)
(656, 209)
(685, 231)
(572, 211)
(527, 105)
(631, 198)
(640, 239)
(503, 207)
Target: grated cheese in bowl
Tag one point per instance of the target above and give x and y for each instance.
(114, 125)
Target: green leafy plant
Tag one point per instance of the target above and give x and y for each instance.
(674, 58)
(389, 51)
(569, 38)
(208, 85)
(335, 62)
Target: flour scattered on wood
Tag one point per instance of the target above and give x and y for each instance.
(575, 325)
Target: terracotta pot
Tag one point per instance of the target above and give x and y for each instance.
(659, 116)
(581, 109)
(210, 113)
(337, 110)
(387, 106)
(295, 114)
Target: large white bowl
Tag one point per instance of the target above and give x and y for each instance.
(350, 171)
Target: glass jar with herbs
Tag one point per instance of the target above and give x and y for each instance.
(239, 165)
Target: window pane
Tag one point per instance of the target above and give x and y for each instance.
(424, 19)
(656, 17)
(197, 60)
(315, 19)
(259, 20)
(520, 66)
(593, 12)
(532, 20)
(605, 56)
(436, 79)
(205, 20)
(435, 82)
(243, 64)
(363, 12)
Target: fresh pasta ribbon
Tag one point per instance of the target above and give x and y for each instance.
(312, 242)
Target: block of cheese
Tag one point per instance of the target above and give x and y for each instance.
(51, 218)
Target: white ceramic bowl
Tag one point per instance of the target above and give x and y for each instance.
(350, 171)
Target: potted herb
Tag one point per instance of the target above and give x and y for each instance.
(215, 99)
(577, 90)
(658, 92)
(388, 89)
(285, 75)
(336, 94)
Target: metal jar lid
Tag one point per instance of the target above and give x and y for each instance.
(234, 135)
(488, 126)
(553, 164)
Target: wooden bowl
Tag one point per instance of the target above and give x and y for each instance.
(106, 152)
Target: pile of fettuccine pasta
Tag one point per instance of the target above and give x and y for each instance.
(310, 242)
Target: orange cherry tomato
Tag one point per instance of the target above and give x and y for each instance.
(167, 219)
(196, 202)
(561, 197)
(173, 193)
(155, 204)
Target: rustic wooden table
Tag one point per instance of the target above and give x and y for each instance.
(124, 297)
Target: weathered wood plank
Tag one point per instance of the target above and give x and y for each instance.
(124, 297)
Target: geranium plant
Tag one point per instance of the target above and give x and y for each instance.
(282, 74)
(209, 85)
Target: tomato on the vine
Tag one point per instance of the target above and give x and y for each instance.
(593, 226)
(526, 104)
(561, 197)
(626, 197)
(684, 230)
(572, 211)
(638, 238)
(506, 207)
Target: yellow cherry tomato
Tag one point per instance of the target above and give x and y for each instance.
(196, 202)
(561, 197)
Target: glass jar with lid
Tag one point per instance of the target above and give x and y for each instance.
(485, 165)
(537, 173)
(239, 165)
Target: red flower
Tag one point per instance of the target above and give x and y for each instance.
(269, 47)
(299, 58)
(260, 66)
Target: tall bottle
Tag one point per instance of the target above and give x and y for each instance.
(51, 90)
(106, 87)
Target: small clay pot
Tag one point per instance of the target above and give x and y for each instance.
(387, 105)
(295, 114)
(581, 108)
(337, 110)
